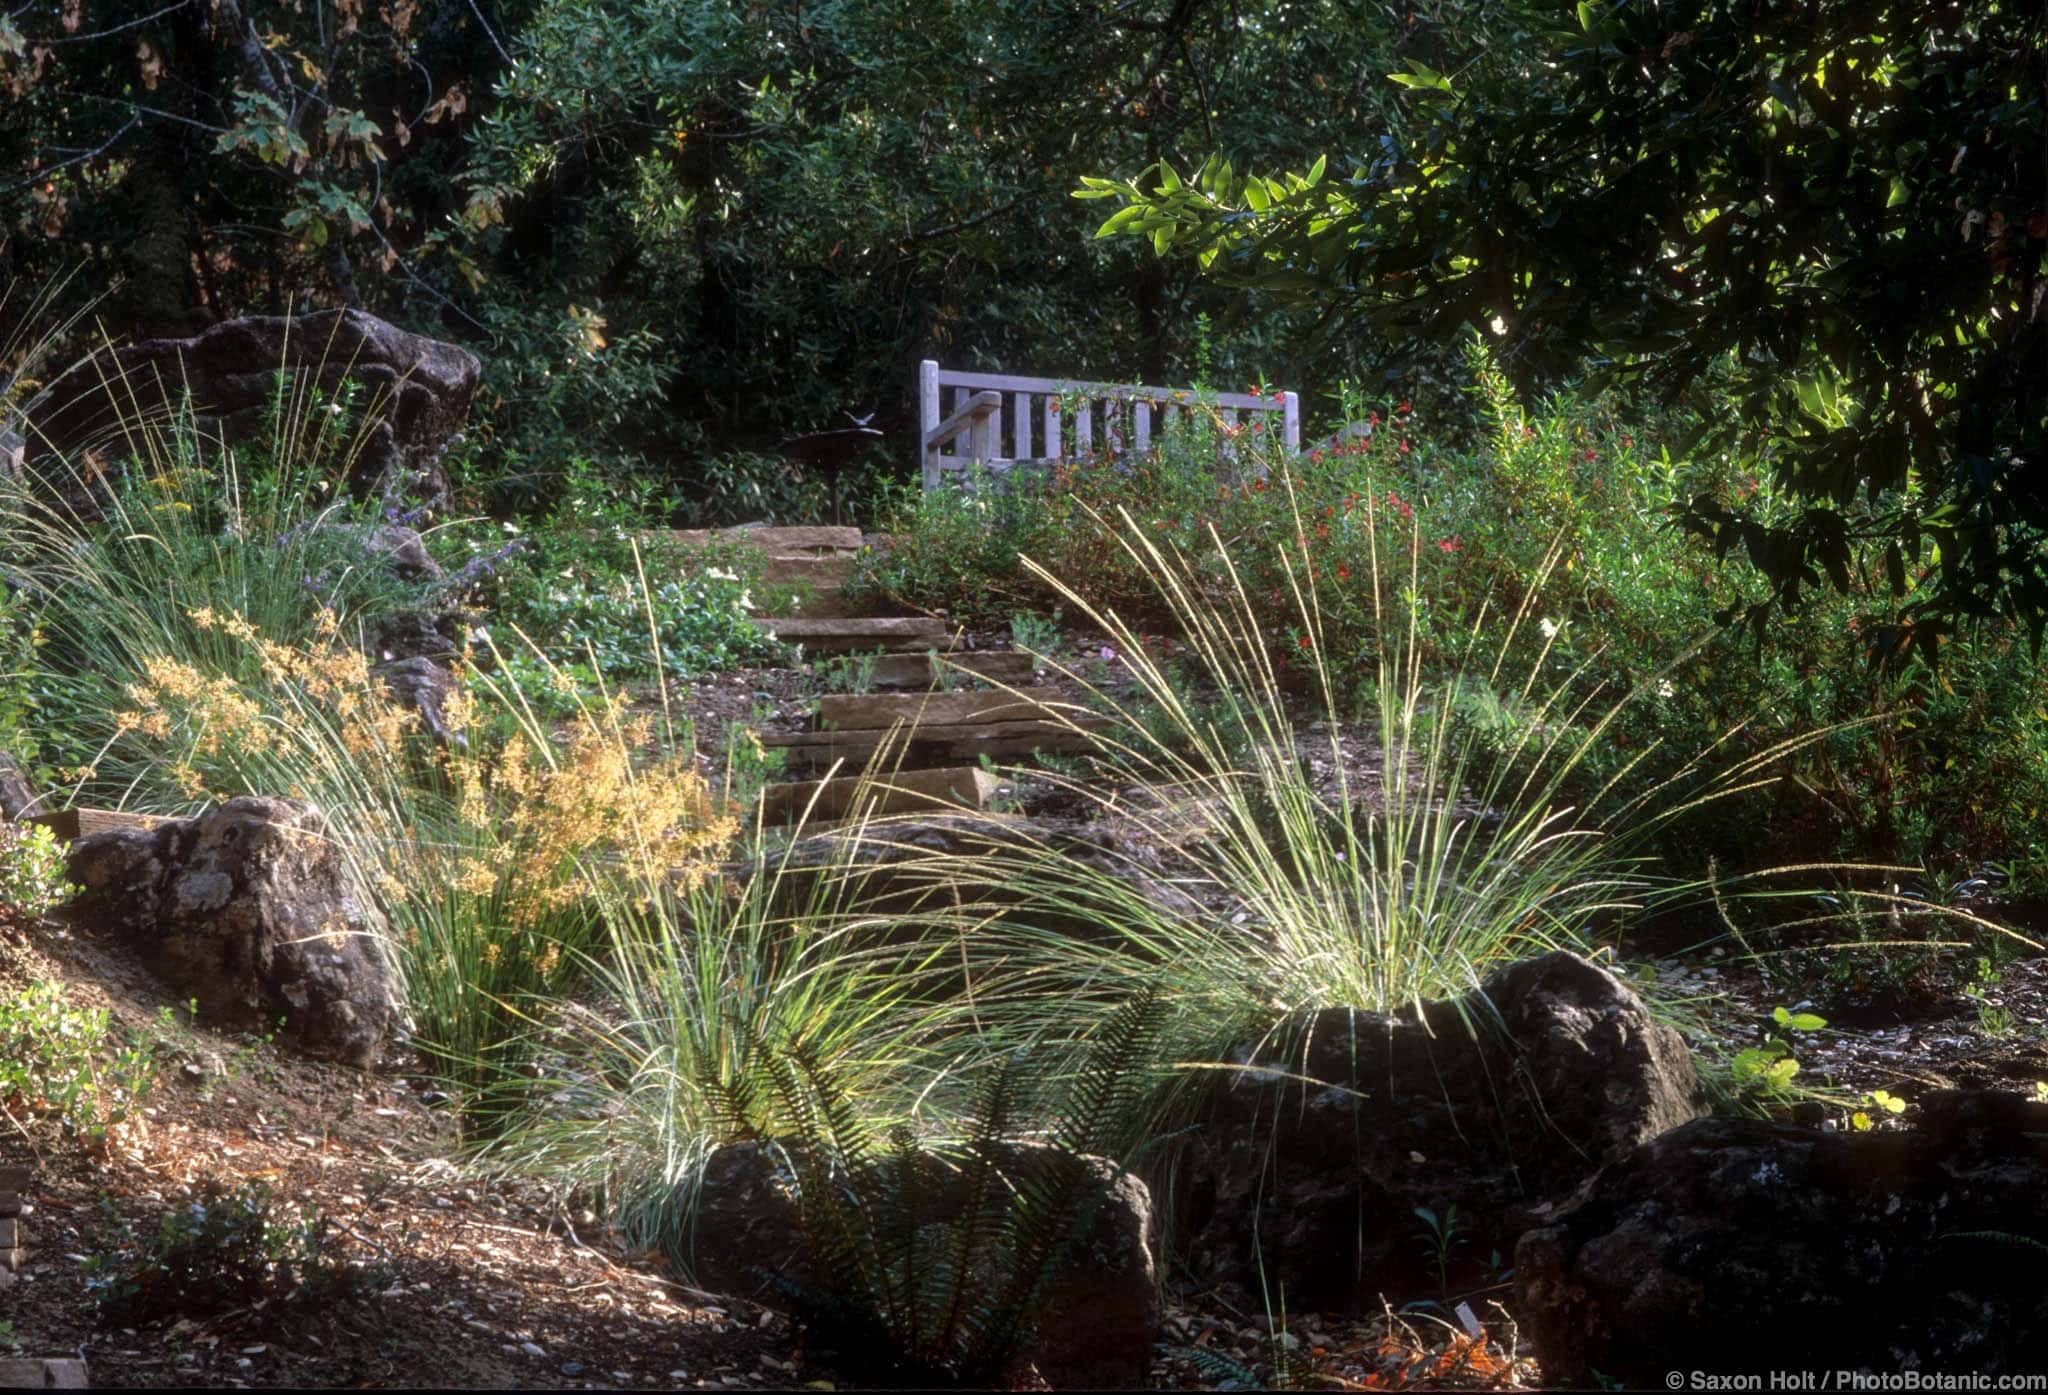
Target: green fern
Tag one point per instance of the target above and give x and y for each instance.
(926, 1264)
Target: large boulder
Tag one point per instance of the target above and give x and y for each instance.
(416, 396)
(1736, 1247)
(247, 908)
(1340, 1124)
(1094, 1322)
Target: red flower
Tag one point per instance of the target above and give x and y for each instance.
(1343, 572)
(1403, 409)
(1302, 643)
(1258, 486)
(1315, 457)
(1322, 530)
(1628, 443)
(1279, 397)
(1450, 545)
(1591, 455)
(1372, 419)
(1255, 389)
(1404, 448)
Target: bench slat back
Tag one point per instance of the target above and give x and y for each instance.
(1002, 419)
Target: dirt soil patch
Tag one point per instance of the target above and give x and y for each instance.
(468, 1284)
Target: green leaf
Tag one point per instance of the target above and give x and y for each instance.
(1122, 219)
(1422, 75)
(1898, 195)
(1586, 16)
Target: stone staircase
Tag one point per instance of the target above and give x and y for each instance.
(915, 739)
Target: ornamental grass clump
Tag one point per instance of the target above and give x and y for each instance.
(699, 989)
(541, 835)
(493, 854)
(1296, 861)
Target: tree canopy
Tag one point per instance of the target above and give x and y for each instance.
(677, 227)
(1836, 212)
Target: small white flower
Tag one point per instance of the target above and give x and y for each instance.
(1549, 627)
(1665, 688)
(721, 573)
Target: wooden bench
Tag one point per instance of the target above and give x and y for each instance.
(999, 420)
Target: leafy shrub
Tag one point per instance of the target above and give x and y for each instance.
(748, 487)
(597, 586)
(243, 1249)
(31, 869)
(556, 378)
(73, 1065)
(1915, 765)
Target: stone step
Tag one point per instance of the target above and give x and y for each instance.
(962, 742)
(879, 711)
(43, 1373)
(776, 542)
(72, 824)
(822, 573)
(901, 792)
(920, 671)
(824, 634)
